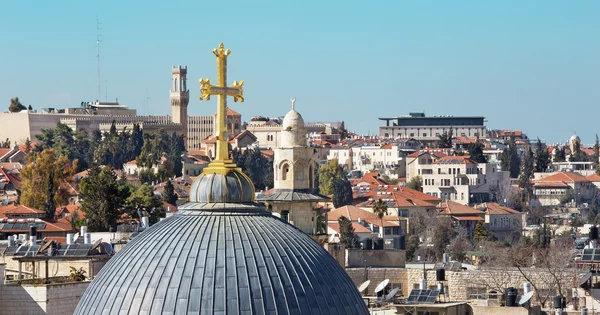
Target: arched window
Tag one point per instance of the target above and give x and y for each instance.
(285, 169)
(176, 81)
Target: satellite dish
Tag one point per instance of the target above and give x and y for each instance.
(382, 285)
(392, 294)
(364, 286)
(525, 298)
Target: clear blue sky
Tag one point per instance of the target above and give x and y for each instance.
(530, 65)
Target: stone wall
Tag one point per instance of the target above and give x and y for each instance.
(458, 284)
(59, 299)
(56, 268)
(375, 258)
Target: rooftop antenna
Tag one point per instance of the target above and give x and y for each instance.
(98, 52)
(147, 97)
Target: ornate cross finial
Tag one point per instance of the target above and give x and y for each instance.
(221, 164)
(293, 102)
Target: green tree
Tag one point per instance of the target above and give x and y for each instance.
(101, 199)
(445, 139)
(510, 160)
(347, 235)
(342, 192)
(168, 194)
(527, 169)
(476, 152)
(415, 183)
(27, 146)
(29, 108)
(328, 172)
(48, 170)
(542, 157)
(380, 209)
(15, 106)
(144, 200)
(481, 233)
(596, 155)
(412, 245)
(5, 144)
(561, 155)
(342, 131)
(50, 205)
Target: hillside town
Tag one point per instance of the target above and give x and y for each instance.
(438, 204)
(110, 207)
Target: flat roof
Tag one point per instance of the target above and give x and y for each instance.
(432, 117)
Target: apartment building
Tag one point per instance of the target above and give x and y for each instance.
(458, 178)
(387, 159)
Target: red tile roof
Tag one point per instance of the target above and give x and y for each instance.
(566, 177)
(456, 209)
(353, 213)
(357, 227)
(594, 177)
(377, 222)
(231, 112)
(23, 210)
(4, 151)
(467, 218)
(493, 208)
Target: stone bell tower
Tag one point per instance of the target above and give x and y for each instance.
(180, 97)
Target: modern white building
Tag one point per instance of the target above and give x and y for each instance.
(428, 129)
(460, 179)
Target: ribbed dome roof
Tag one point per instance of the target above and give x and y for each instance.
(233, 187)
(293, 131)
(574, 138)
(210, 260)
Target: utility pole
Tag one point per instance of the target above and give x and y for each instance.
(98, 53)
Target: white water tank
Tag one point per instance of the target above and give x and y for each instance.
(83, 230)
(69, 238)
(145, 222)
(87, 238)
(422, 284)
(526, 287)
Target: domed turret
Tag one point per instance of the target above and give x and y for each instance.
(217, 188)
(574, 138)
(293, 131)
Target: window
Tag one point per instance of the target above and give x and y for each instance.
(412, 134)
(285, 215)
(425, 134)
(403, 213)
(284, 171)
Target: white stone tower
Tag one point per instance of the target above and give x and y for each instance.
(293, 160)
(293, 197)
(180, 97)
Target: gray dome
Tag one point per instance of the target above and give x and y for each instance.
(238, 260)
(233, 187)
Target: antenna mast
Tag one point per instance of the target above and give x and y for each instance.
(98, 52)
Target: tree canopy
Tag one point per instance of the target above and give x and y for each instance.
(328, 173)
(254, 164)
(476, 152)
(41, 180)
(445, 139)
(347, 235)
(101, 199)
(542, 157)
(342, 192)
(15, 105)
(510, 160)
(415, 183)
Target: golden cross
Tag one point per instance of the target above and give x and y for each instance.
(221, 164)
